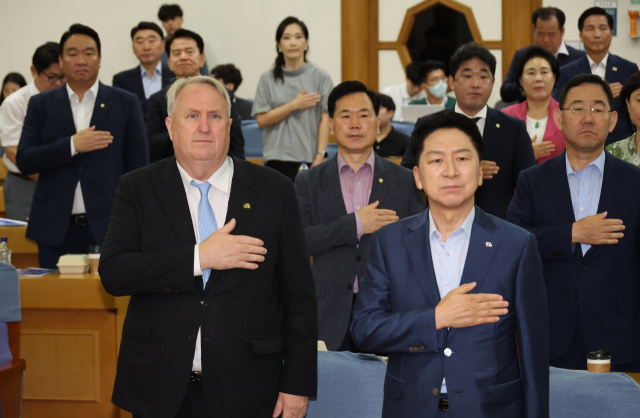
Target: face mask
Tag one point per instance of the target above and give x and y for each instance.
(439, 90)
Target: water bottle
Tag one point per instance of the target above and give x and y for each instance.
(303, 167)
(5, 251)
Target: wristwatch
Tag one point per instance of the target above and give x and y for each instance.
(323, 153)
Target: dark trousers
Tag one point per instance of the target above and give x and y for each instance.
(288, 168)
(77, 241)
(347, 343)
(193, 405)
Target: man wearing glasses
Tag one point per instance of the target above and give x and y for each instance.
(47, 75)
(584, 208)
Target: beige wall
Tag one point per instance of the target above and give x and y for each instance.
(239, 31)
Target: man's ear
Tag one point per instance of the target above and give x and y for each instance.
(330, 122)
(614, 121)
(416, 176)
(557, 118)
(167, 122)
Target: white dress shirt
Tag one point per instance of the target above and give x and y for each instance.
(449, 258)
(151, 85)
(599, 69)
(219, 201)
(562, 50)
(401, 98)
(12, 114)
(82, 113)
(482, 114)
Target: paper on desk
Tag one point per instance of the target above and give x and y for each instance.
(11, 222)
(35, 272)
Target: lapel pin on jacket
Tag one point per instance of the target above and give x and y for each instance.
(101, 104)
(488, 244)
(615, 68)
(498, 125)
(247, 206)
(380, 180)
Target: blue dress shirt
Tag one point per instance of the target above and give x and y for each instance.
(151, 85)
(449, 257)
(585, 187)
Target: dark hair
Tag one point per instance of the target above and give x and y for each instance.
(147, 25)
(351, 87)
(444, 120)
(12, 78)
(546, 13)
(632, 84)
(536, 51)
(386, 102)
(46, 55)
(594, 11)
(581, 79)
(78, 29)
(278, 72)
(413, 73)
(184, 33)
(229, 74)
(468, 52)
(428, 67)
(169, 11)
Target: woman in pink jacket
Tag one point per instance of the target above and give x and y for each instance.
(538, 71)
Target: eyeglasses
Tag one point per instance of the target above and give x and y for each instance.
(54, 78)
(582, 111)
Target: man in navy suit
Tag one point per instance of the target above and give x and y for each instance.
(595, 26)
(584, 208)
(151, 75)
(507, 145)
(81, 138)
(548, 31)
(448, 293)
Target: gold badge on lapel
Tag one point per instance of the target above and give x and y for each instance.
(498, 125)
(380, 180)
(101, 104)
(488, 244)
(615, 68)
(247, 206)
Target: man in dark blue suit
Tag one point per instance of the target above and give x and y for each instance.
(548, 31)
(584, 208)
(81, 138)
(151, 75)
(448, 293)
(507, 145)
(595, 26)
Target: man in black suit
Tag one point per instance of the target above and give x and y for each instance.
(507, 146)
(151, 75)
(231, 77)
(548, 31)
(584, 208)
(81, 138)
(186, 57)
(222, 320)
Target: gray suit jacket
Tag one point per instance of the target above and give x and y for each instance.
(332, 240)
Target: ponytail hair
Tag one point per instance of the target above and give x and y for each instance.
(278, 72)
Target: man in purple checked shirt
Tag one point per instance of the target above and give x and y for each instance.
(343, 201)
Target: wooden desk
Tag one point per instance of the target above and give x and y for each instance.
(71, 331)
(24, 252)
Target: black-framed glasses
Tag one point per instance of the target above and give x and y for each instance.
(54, 78)
(582, 111)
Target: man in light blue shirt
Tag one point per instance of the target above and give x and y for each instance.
(151, 83)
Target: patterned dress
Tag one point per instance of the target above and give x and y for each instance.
(626, 150)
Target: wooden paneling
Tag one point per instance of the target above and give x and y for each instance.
(359, 41)
(517, 30)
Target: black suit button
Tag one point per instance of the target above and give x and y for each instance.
(193, 337)
(575, 296)
(349, 287)
(358, 258)
(583, 266)
(80, 168)
(203, 303)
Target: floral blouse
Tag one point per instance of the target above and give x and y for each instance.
(626, 150)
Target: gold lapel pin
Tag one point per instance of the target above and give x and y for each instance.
(380, 180)
(498, 125)
(615, 68)
(488, 244)
(101, 104)
(247, 206)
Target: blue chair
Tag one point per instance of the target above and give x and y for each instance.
(11, 367)
(252, 139)
(349, 385)
(332, 150)
(404, 127)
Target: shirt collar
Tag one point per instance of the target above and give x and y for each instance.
(562, 50)
(598, 162)
(465, 227)
(90, 94)
(371, 159)
(156, 71)
(33, 90)
(219, 179)
(481, 114)
(603, 62)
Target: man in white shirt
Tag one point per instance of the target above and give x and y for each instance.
(402, 94)
(80, 138)
(18, 188)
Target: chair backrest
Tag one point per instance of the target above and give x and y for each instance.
(349, 385)
(404, 127)
(252, 134)
(10, 316)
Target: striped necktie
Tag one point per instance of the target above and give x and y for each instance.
(207, 224)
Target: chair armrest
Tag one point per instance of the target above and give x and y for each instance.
(10, 368)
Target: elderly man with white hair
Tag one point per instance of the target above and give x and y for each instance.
(222, 319)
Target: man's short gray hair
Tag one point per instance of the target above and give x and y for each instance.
(179, 84)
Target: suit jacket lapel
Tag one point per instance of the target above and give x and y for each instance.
(558, 186)
(65, 116)
(483, 245)
(611, 75)
(419, 250)
(139, 86)
(331, 191)
(242, 202)
(491, 135)
(173, 198)
(379, 188)
(101, 107)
